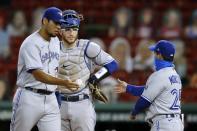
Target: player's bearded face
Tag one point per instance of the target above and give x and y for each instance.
(70, 35)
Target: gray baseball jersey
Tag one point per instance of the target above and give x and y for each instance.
(163, 90)
(37, 53)
(31, 108)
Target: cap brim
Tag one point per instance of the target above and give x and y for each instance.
(152, 47)
(60, 21)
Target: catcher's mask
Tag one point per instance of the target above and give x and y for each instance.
(72, 19)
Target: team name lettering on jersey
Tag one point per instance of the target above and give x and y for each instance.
(50, 55)
(174, 79)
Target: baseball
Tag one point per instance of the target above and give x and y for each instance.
(80, 82)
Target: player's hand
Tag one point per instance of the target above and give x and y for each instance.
(120, 87)
(132, 117)
(73, 86)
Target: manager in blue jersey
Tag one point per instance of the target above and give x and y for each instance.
(160, 97)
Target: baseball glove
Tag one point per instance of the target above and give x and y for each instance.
(97, 93)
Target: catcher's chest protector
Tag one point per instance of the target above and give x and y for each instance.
(72, 63)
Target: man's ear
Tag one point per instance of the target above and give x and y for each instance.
(45, 21)
(160, 56)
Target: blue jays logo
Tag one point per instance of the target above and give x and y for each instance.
(174, 79)
(49, 56)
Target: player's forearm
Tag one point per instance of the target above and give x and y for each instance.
(53, 80)
(140, 106)
(48, 79)
(135, 90)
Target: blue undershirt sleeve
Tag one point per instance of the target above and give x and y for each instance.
(141, 105)
(135, 90)
(112, 66)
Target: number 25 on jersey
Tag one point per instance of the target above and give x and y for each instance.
(177, 96)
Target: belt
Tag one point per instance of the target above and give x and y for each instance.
(74, 98)
(39, 91)
(164, 116)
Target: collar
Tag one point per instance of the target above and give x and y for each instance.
(160, 64)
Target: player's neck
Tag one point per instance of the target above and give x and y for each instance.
(44, 34)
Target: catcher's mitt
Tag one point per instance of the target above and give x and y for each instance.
(97, 93)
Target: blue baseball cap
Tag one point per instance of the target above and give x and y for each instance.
(54, 14)
(165, 48)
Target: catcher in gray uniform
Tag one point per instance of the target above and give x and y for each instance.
(78, 58)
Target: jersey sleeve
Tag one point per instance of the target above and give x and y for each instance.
(31, 56)
(99, 56)
(153, 88)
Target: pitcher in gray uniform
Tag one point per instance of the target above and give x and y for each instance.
(34, 101)
(160, 97)
(78, 58)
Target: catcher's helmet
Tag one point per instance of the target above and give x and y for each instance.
(72, 19)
